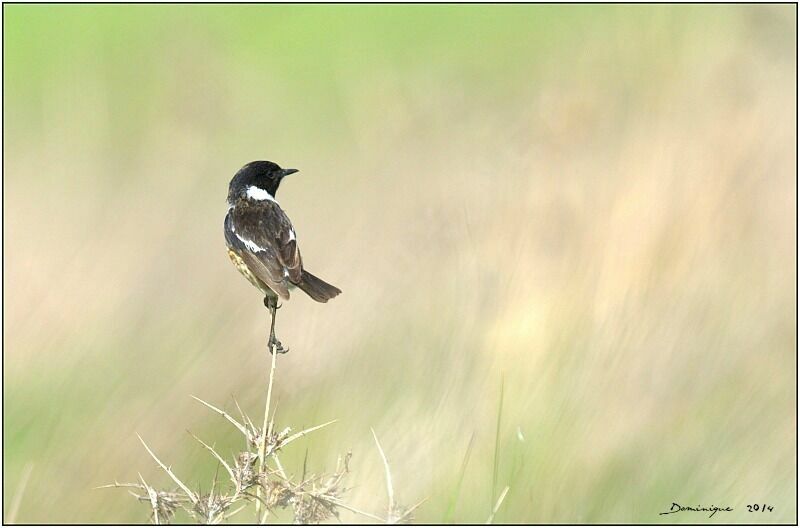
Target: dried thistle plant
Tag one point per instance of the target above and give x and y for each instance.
(256, 477)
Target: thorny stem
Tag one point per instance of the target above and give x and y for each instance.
(153, 497)
(336, 502)
(221, 461)
(278, 464)
(227, 416)
(215, 508)
(266, 429)
(169, 472)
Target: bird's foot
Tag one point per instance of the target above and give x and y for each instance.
(276, 345)
(272, 302)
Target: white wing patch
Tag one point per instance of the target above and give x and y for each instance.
(258, 194)
(292, 235)
(252, 246)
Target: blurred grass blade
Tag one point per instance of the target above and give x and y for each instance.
(497, 442)
(17, 500)
(499, 502)
(451, 508)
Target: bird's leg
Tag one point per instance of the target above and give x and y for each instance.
(272, 305)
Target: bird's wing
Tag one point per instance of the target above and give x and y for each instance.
(259, 267)
(267, 236)
(289, 253)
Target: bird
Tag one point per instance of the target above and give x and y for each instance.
(262, 242)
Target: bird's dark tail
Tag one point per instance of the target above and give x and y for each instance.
(316, 288)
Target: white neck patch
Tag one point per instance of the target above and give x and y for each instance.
(256, 193)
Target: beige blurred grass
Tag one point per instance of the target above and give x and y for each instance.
(611, 232)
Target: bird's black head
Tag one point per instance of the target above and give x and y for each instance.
(264, 175)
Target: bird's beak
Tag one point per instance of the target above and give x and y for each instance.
(287, 172)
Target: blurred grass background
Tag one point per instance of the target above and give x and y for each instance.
(593, 205)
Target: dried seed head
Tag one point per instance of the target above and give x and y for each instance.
(276, 493)
(401, 515)
(313, 498)
(163, 504)
(244, 471)
(275, 440)
(210, 509)
(310, 509)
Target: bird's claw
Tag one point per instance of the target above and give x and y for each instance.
(271, 303)
(276, 345)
